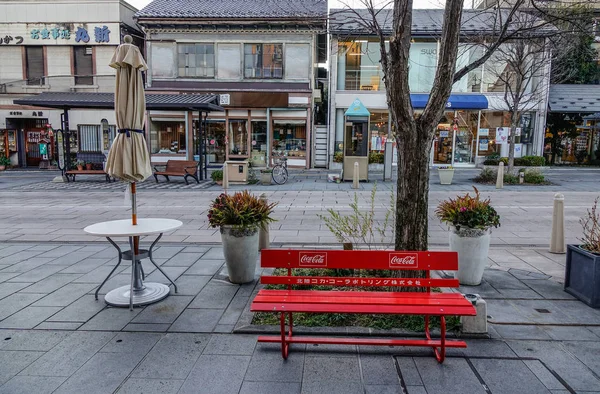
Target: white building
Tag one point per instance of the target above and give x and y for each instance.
(58, 46)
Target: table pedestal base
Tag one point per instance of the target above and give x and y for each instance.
(151, 293)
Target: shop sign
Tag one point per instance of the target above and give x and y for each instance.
(20, 113)
(224, 99)
(59, 34)
(484, 132)
(61, 149)
(517, 131)
(483, 144)
(43, 149)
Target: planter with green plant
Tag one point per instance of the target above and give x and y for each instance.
(266, 175)
(446, 174)
(470, 220)
(239, 218)
(217, 176)
(89, 165)
(582, 271)
(79, 164)
(4, 163)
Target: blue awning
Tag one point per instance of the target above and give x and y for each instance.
(456, 101)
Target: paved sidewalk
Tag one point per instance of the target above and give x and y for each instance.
(55, 338)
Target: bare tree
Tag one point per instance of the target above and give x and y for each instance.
(414, 134)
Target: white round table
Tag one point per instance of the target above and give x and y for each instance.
(138, 293)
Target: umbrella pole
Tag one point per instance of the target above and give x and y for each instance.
(136, 240)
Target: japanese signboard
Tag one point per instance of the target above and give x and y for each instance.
(60, 34)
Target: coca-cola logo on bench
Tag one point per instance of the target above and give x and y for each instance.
(313, 259)
(407, 260)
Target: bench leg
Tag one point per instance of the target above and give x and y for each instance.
(285, 347)
(167, 177)
(156, 178)
(185, 179)
(440, 354)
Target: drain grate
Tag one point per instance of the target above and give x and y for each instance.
(542, 310)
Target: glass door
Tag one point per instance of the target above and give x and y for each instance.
(215, 141)
(238, 138)
(443, 140)
(258, 143)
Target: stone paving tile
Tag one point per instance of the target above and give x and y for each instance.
(85, 266)
(21, 256)
(216, 374)
(544, 375)
(4, 276)
(234, 310)
(214, 253)
(240, 345)
(270, 388)
(455, 375)
(66, 295)
(69, 355)
(62, 250)
(103, 373)
(344, 369)
(9, 288)
(383, 389)
(29, 317)
(52, 325)
(30, 340)
(51, 283)
(173, 272)
(215, 296)
(141, 327)
(183, 259)
(32, 384)
(166, 252)
(79, 311)
(132, 342)
(13, 362)
(27, 265)
(165, 311)
(587, 353)
(173, 357)
(379, 370)
(331, 387)
(566, 333)
(16, 302)
(205, 267)
(197, 320)
(495, 373)
(111, 319)
(150, 386)
(325, 350)
(37, 274)
(191, 284)
(521, 332)
(267, 364)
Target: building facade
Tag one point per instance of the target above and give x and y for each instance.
(62, 46)
(260, 57)
(476, 120)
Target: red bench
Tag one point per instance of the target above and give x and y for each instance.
(426, 303)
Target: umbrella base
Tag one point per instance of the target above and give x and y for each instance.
(149, 294)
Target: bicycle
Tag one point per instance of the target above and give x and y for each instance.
(280, 172)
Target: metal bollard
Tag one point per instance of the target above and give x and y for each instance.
(225, 177)
(557, 238)
(355, 176)
(500, 178)
(263, 235)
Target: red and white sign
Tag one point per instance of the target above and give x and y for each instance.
(313, 259)
(407, 260)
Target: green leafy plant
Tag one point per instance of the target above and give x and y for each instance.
(360, 225)
(487, 175)
(338, 157)
(534, 176)
(511, 179)
(468, 211)
(217, 175)
(80, 163)
(376, 158)
(241, 210)
(591, 230)
(266, 171)
(4, 161)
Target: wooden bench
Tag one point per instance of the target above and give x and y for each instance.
(71, 174)
(178, 168)
(426, 303)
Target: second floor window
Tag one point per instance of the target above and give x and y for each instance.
(84, 68)
(196, 60)
(34, 57)
(263, 61)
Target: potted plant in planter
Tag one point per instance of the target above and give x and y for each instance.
(89, 165)
(266, 175)
(4, 163)
(79, 164)
(239, 217)
(217, 176)
(582, 271)
(446, 174)
(470, 220)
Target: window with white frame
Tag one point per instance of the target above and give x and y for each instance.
(196, 60)
(92, 139)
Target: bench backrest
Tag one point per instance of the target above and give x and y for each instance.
(182, 165)
(359, 260)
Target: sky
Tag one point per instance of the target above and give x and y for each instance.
(139, 4)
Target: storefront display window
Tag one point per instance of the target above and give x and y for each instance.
(465, 138)
(215, 141)
(168, 137)
(238, 137)
(359, 66)
(443, 140)
(489, 124)
(258, 143)
(289, 139)
(423, 61)
(379, 131)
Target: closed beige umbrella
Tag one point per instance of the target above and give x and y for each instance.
(128, 158)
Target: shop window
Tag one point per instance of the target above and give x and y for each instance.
(422, 65)
(84, 70)
(379, 131)
(34, 57)
(238, 137)
(258, 143)
(289, 138)
(215, 144)
(196, 60)
(263, 61)
(468, 53)
(90, 138)
(359, 66)
(167, 137)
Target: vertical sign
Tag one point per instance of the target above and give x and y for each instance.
(61, 149)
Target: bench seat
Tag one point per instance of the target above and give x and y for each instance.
(184, 168)
(72, 173)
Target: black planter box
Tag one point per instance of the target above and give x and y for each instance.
(582, 275)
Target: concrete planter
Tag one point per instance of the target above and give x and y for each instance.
(582, 275)
(240, 248)
(446, 176)
(336, 166)
(266, 177)
(472, 246)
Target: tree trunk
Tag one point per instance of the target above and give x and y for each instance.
(514, 122)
